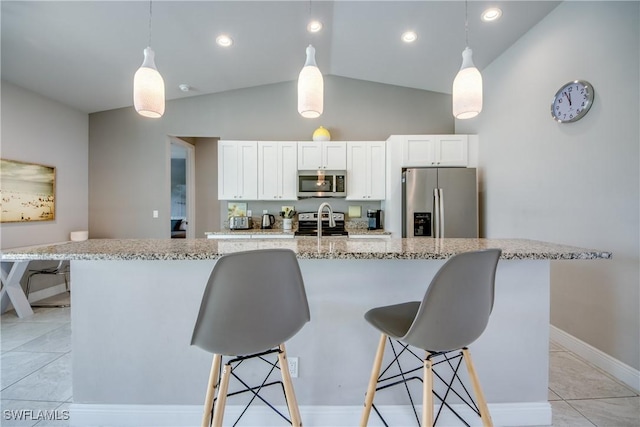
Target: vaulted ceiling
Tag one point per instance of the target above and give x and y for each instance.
(84, 53)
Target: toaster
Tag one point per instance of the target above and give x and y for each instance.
(240, 223)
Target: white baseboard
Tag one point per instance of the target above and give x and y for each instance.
(600, 359)
(503, 414)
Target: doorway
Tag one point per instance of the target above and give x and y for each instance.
(182, 189)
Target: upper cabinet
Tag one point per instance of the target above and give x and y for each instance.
(277, 170)
(237, 170)
(317, 155)
(435, 150)
(366, 165)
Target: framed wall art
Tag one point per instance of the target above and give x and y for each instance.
(27, 192)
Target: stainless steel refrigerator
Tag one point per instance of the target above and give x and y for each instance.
(439, 202)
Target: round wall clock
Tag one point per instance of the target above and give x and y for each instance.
(572, 101)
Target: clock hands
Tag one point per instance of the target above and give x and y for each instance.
(568, 95)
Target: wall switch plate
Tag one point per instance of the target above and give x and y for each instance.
(155, 214)
(293, 366)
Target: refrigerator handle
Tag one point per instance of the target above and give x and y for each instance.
(436, 210)
(441, 222)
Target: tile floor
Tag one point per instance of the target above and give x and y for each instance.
(36, 364)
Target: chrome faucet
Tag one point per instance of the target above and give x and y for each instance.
(332, 222)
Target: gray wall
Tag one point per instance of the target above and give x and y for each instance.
(38, 130)
(127, 153)
(572, 183)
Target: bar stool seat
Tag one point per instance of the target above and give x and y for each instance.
(254, 301)
(453, 313)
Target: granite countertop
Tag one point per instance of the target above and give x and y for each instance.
(304, 247)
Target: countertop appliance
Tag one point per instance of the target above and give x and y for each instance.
(375, 219)
(240, 223)
(439, 202)
(322, 183)
(308, 224)
(267, 221)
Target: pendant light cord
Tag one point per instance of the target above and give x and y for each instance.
(150, 14)
(466, 24)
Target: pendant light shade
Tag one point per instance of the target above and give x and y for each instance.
(148, 88)
(310, 87)
(467, 89)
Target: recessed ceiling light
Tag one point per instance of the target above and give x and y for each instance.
(491, 14)
(224, 40)
(409, 36)
(314, 26)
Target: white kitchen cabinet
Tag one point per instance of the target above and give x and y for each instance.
(435, 150)
(322, 155)
(277, 170)
(237, 170)
(366, 164)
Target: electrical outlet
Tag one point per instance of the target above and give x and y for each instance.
(293, 366)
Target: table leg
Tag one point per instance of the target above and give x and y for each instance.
(12, 291)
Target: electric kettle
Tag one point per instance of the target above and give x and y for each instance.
(267, 221)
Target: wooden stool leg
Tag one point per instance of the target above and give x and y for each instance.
(373, 381)
(211, 389)
(292, 402)
(218, 412)
(427, 393)
(477, 390)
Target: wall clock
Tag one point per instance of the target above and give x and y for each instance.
(572, 101)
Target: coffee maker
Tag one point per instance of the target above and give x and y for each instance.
(375, 219)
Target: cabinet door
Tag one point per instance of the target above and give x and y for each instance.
(227, 170)
(377, 162)
(309, 155)
(288, 167)
(452, 150)
(248, 170)
(237, 170)
(419, 150)
(334, 155)
(357, 171)
(268, 170)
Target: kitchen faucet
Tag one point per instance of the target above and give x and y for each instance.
(332, 222)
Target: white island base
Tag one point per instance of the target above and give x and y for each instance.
(133, 365)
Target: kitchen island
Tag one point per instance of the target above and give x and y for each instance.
(134, 304)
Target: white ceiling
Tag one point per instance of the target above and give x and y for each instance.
(84, 53)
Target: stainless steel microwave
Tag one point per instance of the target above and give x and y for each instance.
(322, 183)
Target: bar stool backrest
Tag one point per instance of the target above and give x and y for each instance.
(253, 301)
(456, 307)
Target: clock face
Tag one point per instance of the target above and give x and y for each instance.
(572, 101)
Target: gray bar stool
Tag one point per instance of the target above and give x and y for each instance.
(253, 303)
(453, 313)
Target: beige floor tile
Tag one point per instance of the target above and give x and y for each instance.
(50, 383)
(16, 365)
(554, 346)
(572, 378)
(618, 412)
(566, 416)
(553, 396)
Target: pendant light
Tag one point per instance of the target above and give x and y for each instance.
(148, 85)
(310, 87)
(467, 86)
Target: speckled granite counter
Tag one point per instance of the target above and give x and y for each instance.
(304, 247)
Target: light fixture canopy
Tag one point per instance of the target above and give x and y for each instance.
(409, 36)
(148, 88)
(310, 87)
(314, 26)
(491, 14)
(224, 40)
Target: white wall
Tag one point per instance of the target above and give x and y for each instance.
(574, 183)
(38, 130)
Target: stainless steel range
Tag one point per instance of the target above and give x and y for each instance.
(308, 224)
